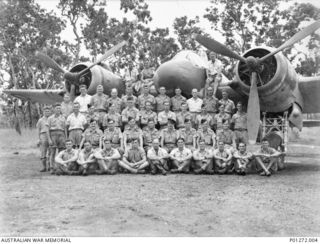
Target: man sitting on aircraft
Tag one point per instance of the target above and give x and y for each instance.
(158, 157)
(215, 67)
(65, 161)
(86, 159)
(134, 160)
(177, 100)
(165, 115)
(161, 99)
(223, 159)
(267, 158)
(181, 158)
(243, 159)
(100, 103)
(83, 99)
(107, 158)
(239, 121)
(228, 104)
(203, 159)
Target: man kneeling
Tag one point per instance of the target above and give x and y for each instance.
(107, 158)
(202, 159)
(65, 161)
(134, 160)
(181, 158)
(158, 158)
(86, 159)
(243, 159)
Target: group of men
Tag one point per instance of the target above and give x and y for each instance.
(103, 134)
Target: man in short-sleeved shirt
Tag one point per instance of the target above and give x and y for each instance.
(147, 115)
(161, 99)
(220, 118)
(243, 159)
(228, 104)
(145, 96)
(202, 159)
(182, 116)
(66, 105)
(211, 102)
(223, 159)
(66, 160)
(115, 100)
(149, 134)
(157, 157)
(239, 121)
(181, 158)
(177, 100)
(129, 93)
(189, 135)
(165, 115)
(129, 111)
(84, 99)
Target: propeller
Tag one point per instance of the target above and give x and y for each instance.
(255, 67)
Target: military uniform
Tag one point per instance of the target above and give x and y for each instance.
(170, 138)
(145, 116)
(228, 106)
(189, 136)
(117, 102)
(206, 117)
(149, 136)
(129, 112)
(76, 126)
(56, 127)
(116, 117)
(201, 158)
(218, 120)
(227, 136)
(163, 118)
(176, 102)
(100, 104)
(208, 136)
(181, 117)
(224, 154)
(115, 136)
(93, 137)
(240, 127)
(160, 102)
(42, 126)
(142, 101)
(124, 100)
(131, 134)
(211, 105)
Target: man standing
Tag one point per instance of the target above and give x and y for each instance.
(177, 100)
(161, 99)
(243, 159)
(76, 123)
(267, 158)
(145, 96)
(228, 104)
(100, 103)
(84, 99)
(66, 105)
(203, 159)
(147, 115)
(211, 102)
(165, 115)
(239, 121)
(56, 133)
(65, 161)
(158, 157)
(42, 126)
(194, 104)
(86, 159)
(134, 160)
(223, 159)
(181, 158)
(107, 158)
(115, 100)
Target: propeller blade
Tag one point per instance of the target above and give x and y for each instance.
(253, 110)
(72, 92)
(217, 47)
(295, 38)
(49, 61)
(106, 55)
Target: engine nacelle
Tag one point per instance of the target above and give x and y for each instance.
(97, 75)
(278, 80)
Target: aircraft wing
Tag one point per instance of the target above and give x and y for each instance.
(310, 91)
(40, 96)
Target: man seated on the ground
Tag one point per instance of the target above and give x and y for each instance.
(134, 159)
(114, 135)
(158, 157)
(181, 158)
(165, 115)
(267, 158)
(203, 159)
(66, 161)
(223, 159)
(227, 136)
(243, 159)
(86, 159)
(92, 134)
(107, 159)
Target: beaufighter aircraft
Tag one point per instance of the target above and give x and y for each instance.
(264, 80)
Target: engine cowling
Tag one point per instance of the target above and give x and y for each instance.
(97, 75)
(277, 80)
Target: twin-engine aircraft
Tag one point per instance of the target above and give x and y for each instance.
(264, 80)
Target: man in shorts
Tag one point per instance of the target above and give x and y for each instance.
(243, 159)
(223, 159)
(66, 161)
(86, 160)
(203, 159)
(181, 158)
(158, 157)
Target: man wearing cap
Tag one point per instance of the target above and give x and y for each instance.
(86, 160)
(165, 115)
(239, 121)
(83, 99)
(92, 134)
(66, 160)
(189, 135)
(147, 115)
(42, 126)
(129, 93)
(115, 100)
(149, 134)
(76, 123)
(219, 118)
(66, 105)
(114, 135)
(194, 104)
(203, 159)
(130, 133)
(145, 96)
(181, 158)
(107, 158)
(228, 104)
(56, 133)
(161, 99)
(134, 159)
(183, 115)
(100, 103)
(211, 102)
(223, 159)
(112, 115)
(129, 111)
(157, 157)
(177, 100)
(206, 134)
(169, 136)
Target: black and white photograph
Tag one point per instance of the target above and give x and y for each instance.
(159, 118)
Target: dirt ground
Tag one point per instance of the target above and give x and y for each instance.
(39, 204)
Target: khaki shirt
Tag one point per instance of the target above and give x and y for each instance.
(125, 99)
(132, 112)
(176, 102)
(145, 116)
(181, 118)
(42, 125)
(159, 102)
(202, 155)
(116, 117)
(142, 100)
(117, 102)
(56, 123)
(149, 136)
(135, 155)
(188, 135)
(211, 104)
(218, 118)
(239, 120)
(223, 154)
(227, 136)
(152, 153)
(164, 116)
(208, 136)
(169, 136)
(114, 136)
(228, 105)
(131, 134)
(100, 102)
(200, 117)
(92, 136)
(180, 155)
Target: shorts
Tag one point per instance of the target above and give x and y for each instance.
(241, 136)
(58, 139)
(75, 136)
(44, 145)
